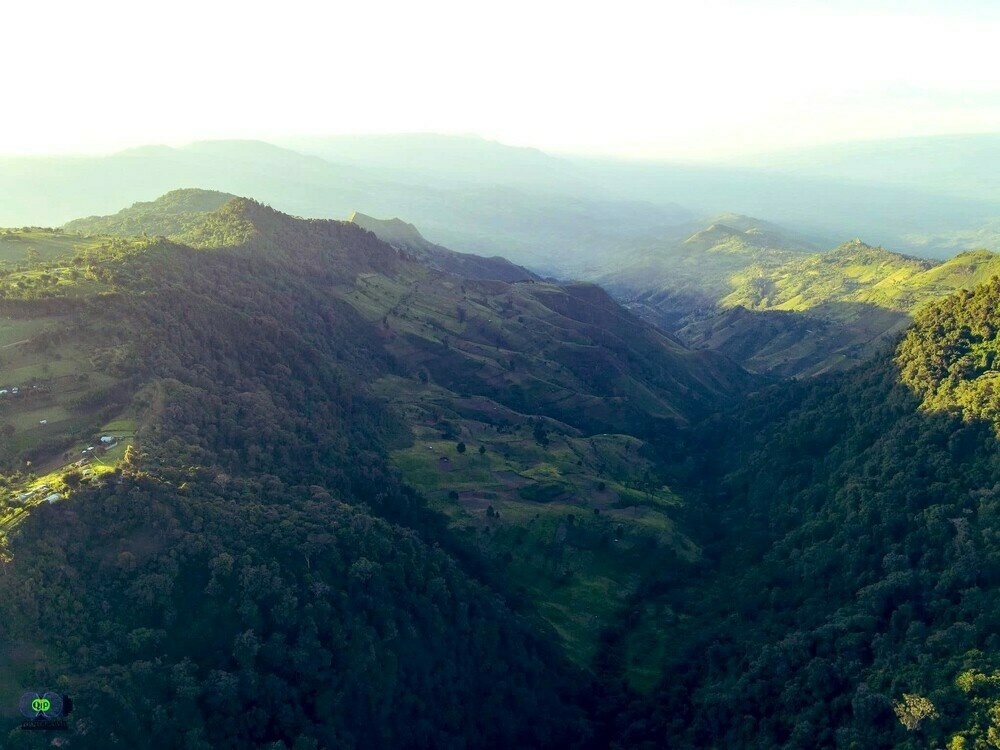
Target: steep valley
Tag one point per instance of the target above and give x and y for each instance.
(340, 475)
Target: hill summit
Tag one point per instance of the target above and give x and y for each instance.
(170, 214)
(388, 230)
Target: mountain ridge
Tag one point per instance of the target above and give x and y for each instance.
(342, 477)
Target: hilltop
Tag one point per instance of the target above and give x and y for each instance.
(182, 215)
(173, 213)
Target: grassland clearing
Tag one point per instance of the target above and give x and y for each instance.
(574, 520)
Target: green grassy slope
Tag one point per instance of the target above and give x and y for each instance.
(29, 246)
(692, 270)
(733, 297)
(573, 522)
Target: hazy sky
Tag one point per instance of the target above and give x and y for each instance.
(706, 77)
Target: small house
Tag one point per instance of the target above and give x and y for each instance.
(53, 497)
(107, 439)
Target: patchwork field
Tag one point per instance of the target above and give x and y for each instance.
(575, 521)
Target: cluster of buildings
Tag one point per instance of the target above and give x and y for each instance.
(50, 497)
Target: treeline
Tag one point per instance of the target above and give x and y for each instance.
(949, 356)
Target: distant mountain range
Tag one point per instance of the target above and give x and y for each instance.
(957, 165)
(557, 215)
(549, 230)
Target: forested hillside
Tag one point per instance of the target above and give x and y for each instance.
(233, 582)
(350, 499)
(173, 213)
(256, 567)
(855, 559)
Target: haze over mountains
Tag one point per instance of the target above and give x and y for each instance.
(618, 223)
(555, 214)
(772, 300)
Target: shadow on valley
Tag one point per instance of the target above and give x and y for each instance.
(851, 559)
(791, 344)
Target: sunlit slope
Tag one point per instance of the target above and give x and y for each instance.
(684, 271)
(171, 214)
(858, 273)
(950, 355)
(792, 314)
(27, 246)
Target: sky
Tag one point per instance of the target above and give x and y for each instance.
(705, 79)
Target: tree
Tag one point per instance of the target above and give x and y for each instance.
(460, 447)
(131, 457)
(913, 709)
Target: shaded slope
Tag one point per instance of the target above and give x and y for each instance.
(467, 331)
(406, 237)
(855, 553)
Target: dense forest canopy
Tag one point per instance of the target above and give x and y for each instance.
(351, 498)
